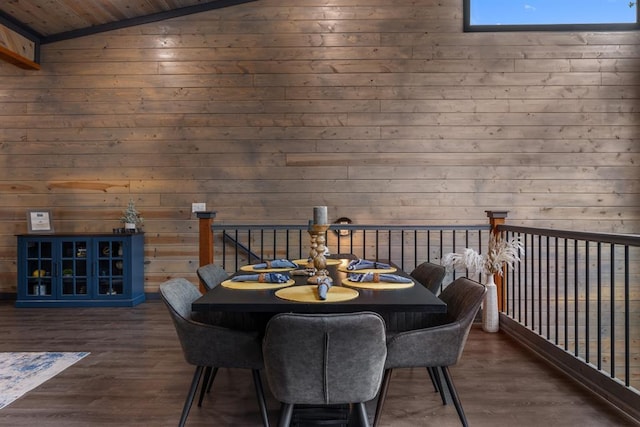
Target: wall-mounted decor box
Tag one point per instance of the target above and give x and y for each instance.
(80, 270)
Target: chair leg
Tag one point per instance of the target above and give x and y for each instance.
(286, 412)
(192, 392)
(362, 414)
(432, 375)
(384, 387)
(213, 377)
(257, 381)
(205, 381)
(436, 376)
(454, 395)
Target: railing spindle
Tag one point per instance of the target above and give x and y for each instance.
(612, 328)
(586, 301)
(627, 329)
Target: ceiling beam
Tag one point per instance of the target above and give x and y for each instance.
(19, 27)
(146, 19)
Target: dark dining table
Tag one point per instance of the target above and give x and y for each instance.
(260, 305)
(413, 299)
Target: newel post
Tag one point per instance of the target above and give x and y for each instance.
(497, 218)
(205, 238)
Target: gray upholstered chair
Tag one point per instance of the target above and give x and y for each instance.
(436, 346)
(324, 359)
(206, 345)
(211, 275)
(430, 275)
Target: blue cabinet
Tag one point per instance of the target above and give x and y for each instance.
(80, 270)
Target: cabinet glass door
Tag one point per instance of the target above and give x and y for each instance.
(74, 270)
(110, 268)
(39, 268)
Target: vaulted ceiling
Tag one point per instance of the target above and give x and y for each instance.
(53, 20)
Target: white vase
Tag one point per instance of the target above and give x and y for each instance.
(490, 317)
(130, 227)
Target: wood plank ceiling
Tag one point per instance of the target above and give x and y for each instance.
(54, 20)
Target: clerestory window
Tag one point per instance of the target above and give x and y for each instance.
(550, 15)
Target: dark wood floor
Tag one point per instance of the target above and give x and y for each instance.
(136, 376)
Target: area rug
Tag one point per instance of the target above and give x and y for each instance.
(22, 372)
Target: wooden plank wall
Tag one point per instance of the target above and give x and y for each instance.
(385, 111)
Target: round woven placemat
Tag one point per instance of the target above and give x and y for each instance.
(309, 293)
(256, 285)
(377, 285)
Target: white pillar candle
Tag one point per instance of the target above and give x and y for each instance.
(320, 216)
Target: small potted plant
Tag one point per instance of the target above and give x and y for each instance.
(131, 218)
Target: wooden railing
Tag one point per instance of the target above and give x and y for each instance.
(574, 298)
